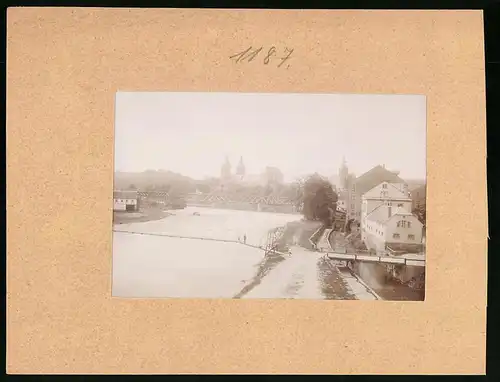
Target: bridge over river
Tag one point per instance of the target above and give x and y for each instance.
(239, 201)
(219, 197)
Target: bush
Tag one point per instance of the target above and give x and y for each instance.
(319, 200)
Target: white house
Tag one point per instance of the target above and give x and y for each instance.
(385, 228)
(386, 220)
(125, 201)
(392, 195)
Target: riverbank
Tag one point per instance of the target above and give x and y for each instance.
(333, 284)
(376, 276)
(145, 215)
(302, 234)
(388, 288)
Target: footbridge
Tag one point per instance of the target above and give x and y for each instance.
(340, 253)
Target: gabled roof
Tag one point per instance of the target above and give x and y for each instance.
(393, 192)
(375, 176)
(401, 212)
(381, 214)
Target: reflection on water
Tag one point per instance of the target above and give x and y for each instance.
(377, 278)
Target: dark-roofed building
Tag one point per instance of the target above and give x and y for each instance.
(364, 183)
(125, 200)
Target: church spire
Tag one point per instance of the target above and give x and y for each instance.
(240, 170)
(226, 169)
(343, 173)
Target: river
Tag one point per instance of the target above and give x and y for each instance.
(156, 266)
(149, 265)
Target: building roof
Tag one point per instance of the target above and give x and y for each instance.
(393, 192)
(375, 176)
(125, 194)
(402, 212)
(381, 214)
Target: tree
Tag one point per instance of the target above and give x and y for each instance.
(319, 201)
(420, 213)
(203, 187)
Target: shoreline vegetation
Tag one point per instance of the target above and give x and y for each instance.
(141, 216)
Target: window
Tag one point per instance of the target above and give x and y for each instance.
(411, 237)
(409, 224)
(395, 236)
(399, 224)
(400, 204)
(384, 185)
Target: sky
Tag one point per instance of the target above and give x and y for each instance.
(192, 133)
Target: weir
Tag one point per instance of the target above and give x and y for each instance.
(268, 248)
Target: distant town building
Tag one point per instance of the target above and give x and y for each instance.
(343, 175)
(240, 170)
(344, 181)
(225, 172)
(125, 201)
(271, 176)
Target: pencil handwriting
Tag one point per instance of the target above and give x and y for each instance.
(268, 56)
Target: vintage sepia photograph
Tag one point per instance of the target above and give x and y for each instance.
(269, 196)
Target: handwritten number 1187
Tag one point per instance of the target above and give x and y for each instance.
(250, 54)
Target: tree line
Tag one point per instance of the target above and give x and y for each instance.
(313, 195)
(317, 199)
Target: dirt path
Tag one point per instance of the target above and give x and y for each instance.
(266, 265)
(295, 277)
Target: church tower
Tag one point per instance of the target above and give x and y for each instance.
(240, 170)
(343, 174)
(225, 172)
